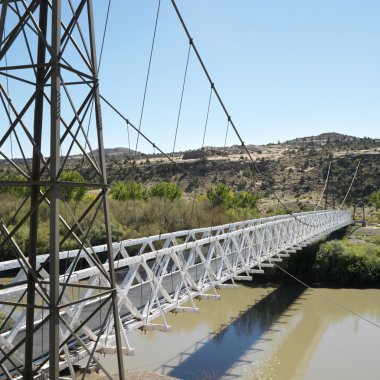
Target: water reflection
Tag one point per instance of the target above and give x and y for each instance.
(288, 334)
(218, 355)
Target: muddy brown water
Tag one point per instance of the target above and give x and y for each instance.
(268, 334)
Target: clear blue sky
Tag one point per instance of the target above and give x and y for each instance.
(284, 69)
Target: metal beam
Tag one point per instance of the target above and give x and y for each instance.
(55, 118)
(3, 15)
(107, 222)
(35, 190)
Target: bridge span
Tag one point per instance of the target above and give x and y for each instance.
(155, 275)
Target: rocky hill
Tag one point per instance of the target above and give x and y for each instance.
(332, 138)
(115, 152)
(295, 170)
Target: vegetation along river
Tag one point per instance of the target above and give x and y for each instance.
(267, 333)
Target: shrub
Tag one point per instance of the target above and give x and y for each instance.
(119, 191)
(342, 263)
(375, 198)
(220, 194)
(72, 192)
(122, 191)
(246, 200)
(16, 191)
(167, 190)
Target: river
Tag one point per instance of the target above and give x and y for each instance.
(268, 334)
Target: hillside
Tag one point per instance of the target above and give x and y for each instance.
(323, 138)
(112, 152)
(295, 169)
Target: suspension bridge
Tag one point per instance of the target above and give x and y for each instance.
(191, 264)
(66, 306)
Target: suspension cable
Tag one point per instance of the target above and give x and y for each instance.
(229, 117)
(180, 102)
(324, 188)
(226, 135)
(327, 298)
(225, 111)
(148, 73)
(207, 115)
(353, 179)
(149, 141)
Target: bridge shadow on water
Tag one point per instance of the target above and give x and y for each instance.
(213, 359)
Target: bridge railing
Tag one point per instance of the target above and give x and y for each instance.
(138, 246)
(261, 238)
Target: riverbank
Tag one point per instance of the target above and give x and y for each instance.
(347, 259)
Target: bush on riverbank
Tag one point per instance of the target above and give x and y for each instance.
(344, 263)
(335, 263)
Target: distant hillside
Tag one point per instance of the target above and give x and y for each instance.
(330, 138)
(117, 152)
(295, 169)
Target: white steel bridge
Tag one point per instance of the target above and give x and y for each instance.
(155, 275)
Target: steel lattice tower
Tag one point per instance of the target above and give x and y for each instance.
(48, 90)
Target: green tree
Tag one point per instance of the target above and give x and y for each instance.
(16, 191)
(245, 200)
(166, 190)
(220, 194)
(375, 198)
(72, 192)
(122, 191)
(119, 191)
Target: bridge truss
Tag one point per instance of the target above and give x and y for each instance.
(155, 275)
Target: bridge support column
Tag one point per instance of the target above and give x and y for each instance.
(55, 70)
